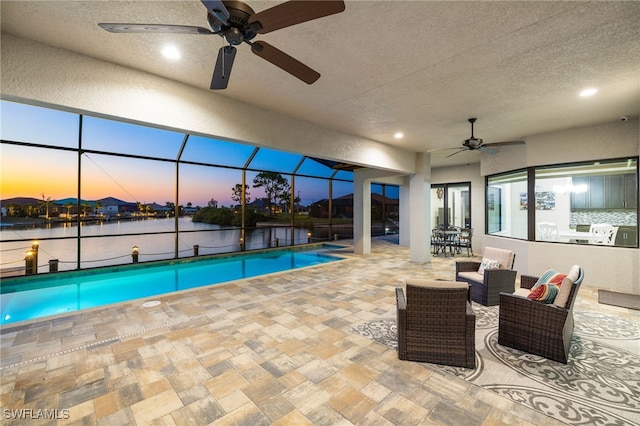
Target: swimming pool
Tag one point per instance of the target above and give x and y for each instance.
(28, 298)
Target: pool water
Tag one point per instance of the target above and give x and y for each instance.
(28, 298)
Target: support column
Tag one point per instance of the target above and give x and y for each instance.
(405, 214)
(361, 212)
(419, 220)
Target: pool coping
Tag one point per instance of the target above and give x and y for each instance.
(26, 324)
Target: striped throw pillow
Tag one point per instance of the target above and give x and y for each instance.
(550, 277)
(545, 293)
(547, 287)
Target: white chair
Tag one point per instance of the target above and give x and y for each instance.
(547, 231)
(603, 234)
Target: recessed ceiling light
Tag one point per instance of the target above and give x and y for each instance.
(588, 92)
(398, 135)
(171, 52)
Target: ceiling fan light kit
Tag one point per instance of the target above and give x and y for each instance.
(236, 23)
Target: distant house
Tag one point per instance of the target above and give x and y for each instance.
(261, 205)
(190, 210)
(113, 207)
(159, 209)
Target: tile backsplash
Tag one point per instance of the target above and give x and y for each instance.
(614, 217)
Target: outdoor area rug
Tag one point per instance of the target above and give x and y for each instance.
(600, 385)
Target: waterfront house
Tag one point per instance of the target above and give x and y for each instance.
(420, 68)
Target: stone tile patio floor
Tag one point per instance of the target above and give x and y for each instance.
(268, 350)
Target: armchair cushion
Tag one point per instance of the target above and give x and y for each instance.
(574, 274)
(471, 276)
(563, 295)
(422, 282)
(505, 257)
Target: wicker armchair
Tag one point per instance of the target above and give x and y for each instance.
(538, 328)
(486, 287)
(436, 323)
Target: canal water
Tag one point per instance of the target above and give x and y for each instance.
(116, 242)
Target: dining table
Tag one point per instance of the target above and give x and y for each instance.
(570, 235)
(446, 240)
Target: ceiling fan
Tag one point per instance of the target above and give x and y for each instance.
(236, 23)
(473, 144)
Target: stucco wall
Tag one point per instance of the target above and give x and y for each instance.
(611, 268)
(44, 75)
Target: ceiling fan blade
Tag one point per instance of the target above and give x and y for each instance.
(505, 143)
(284, 61)
(457, 152)
(442, 149)
(153, 28)
(292, 13)
(486, 150)
(222, 70)
(217, 9)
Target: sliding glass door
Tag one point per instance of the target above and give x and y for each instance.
(451, 205)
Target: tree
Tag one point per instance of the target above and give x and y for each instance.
(212, 203)
(172, 207)
(69, 206)
(285, 199)
(236, 194)
(45, 203)
(274, 185)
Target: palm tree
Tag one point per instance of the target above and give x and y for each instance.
(45, 203)
(69, 206)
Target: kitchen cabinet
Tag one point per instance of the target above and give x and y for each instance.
(627, 236)
(621, 192)
(606, 192)
(593, 197)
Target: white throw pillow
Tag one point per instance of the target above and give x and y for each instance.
(488, 264)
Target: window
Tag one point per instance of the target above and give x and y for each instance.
(578, 203)
(506, 205)
(572, 199)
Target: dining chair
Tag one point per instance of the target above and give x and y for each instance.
(603, 234)
(464, 240)
(547, 231)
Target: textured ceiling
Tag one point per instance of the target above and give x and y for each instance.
(419, 67)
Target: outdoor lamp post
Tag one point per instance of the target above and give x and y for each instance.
(309, 237)
(34, 247)
(29, 265)
(134, 254)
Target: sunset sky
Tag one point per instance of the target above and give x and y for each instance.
(33, 171)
